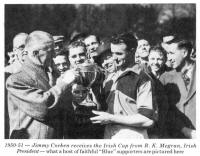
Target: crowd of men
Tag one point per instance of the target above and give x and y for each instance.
(89, 89)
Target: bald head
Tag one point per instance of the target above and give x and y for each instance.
(40, 47)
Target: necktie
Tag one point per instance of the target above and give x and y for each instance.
(186, 80)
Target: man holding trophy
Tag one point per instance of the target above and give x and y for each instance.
(84, 95)
(128, 114)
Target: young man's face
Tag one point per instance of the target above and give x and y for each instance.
(156, 60)
(108, 63)
(79, 93)
(91, 45)
(176, 56)
(120, 54)
(77, 55)
(143, 48)
(61, 63)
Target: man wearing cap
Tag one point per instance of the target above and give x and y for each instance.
(34, 106)
(58, 40)
(180, 86)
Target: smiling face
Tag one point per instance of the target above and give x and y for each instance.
(108, 63)
(176, 56)
(77, 55)
(91, 45)
(120, 54)
(156, 60)
(61, 63)
(79, 93)
(143, 48)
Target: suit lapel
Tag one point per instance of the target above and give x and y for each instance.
(192, 86)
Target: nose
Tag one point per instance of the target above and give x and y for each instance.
(78, 58)
(61, 67)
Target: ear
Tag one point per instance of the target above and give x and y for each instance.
(185, 53)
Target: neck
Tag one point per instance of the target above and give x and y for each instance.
(144, 60)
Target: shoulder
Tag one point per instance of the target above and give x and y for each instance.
(169, 76)
(19, 78)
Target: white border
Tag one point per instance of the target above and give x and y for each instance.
(4, 151)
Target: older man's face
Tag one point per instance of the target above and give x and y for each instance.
(18, 47)
(47, 54)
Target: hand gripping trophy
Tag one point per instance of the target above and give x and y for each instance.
(84, 100)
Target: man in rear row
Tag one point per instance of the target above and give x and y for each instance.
(180, 85)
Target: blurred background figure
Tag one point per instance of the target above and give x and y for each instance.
(143, 50)
(59, 43)
(18, 55)
(137, 57)
(61, 63)
(12, 58)
(92, 42)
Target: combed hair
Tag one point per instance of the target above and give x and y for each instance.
(126, 38)
(38, 39)
(183, 44)
(160, 49)
(97, 37)
(76, 44)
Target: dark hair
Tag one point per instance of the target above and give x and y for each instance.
(159, 49)
(77, 37)
(183, 44)
(97, 37)
(76, 44)
(126, 38)
(186, 45)
(62, 52)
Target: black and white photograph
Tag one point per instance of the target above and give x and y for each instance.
(100, 71)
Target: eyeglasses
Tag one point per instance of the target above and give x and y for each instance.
(21, 47)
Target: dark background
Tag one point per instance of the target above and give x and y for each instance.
(150, 20)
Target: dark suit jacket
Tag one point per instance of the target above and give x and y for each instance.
(182, 102)
(33, 104)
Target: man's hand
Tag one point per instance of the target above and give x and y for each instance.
(102, 118)
(189, 133)
(70, 76)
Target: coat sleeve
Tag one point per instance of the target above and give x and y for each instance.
(34, 101)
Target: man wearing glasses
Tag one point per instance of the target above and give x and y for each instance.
(19, 53)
